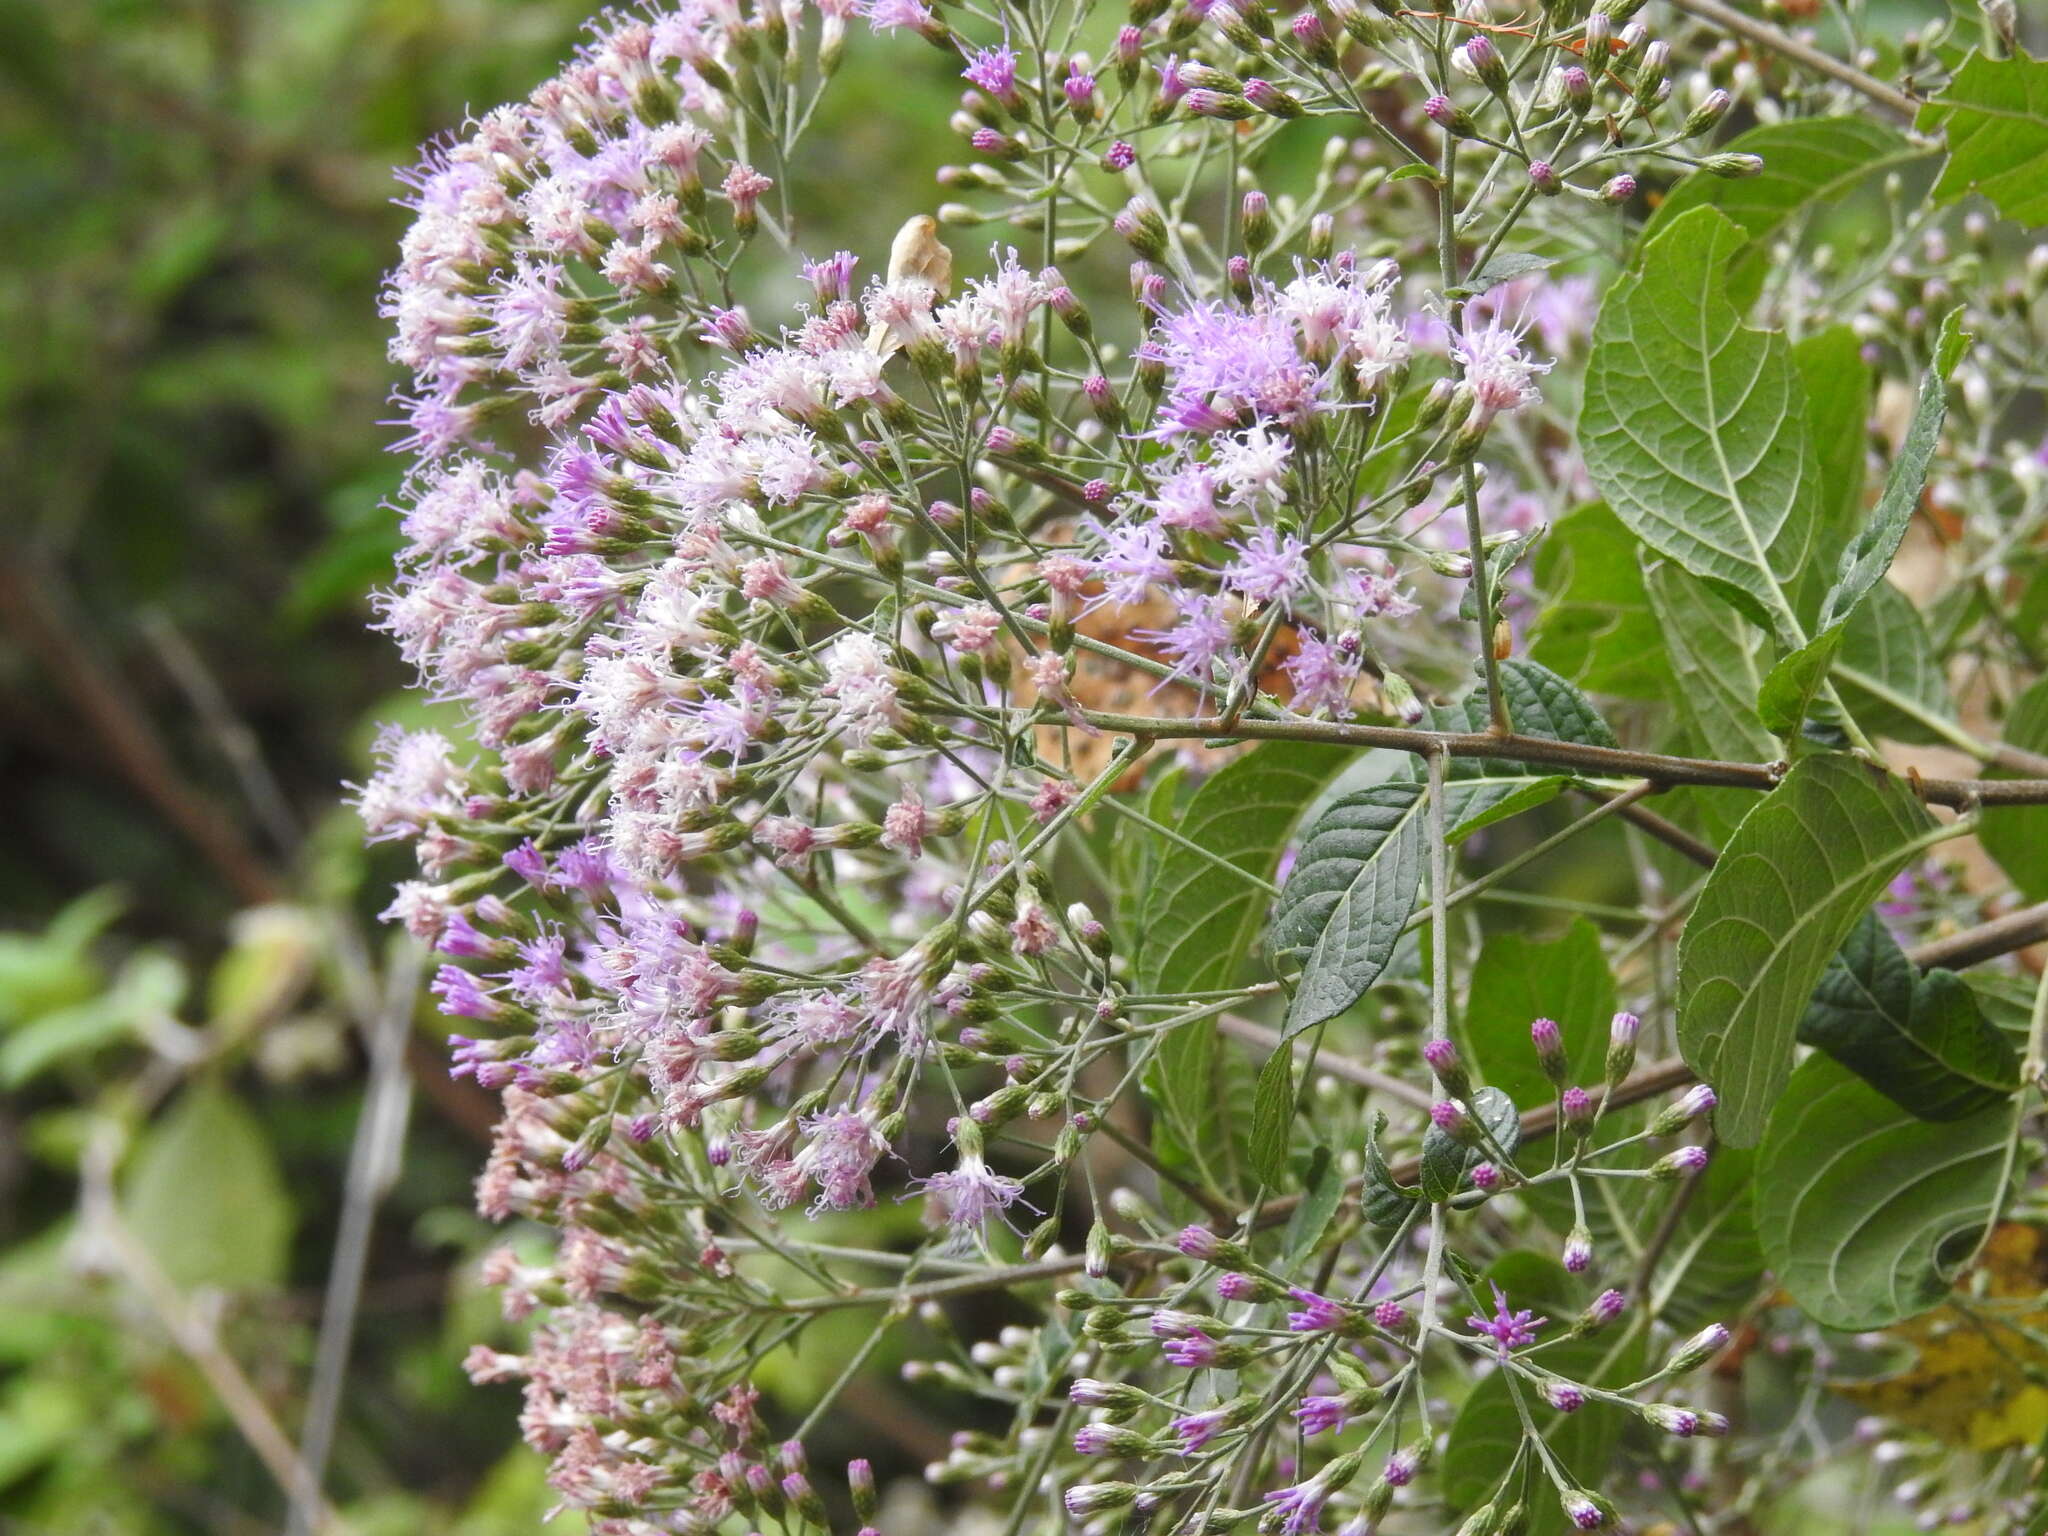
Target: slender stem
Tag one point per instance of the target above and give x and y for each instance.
(1766, 36)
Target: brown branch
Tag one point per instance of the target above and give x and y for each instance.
(34, 610)
(1987, 941)
(1613, 762)
(1805, 54)
(1269, 1041)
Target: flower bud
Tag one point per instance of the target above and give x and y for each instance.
(1443, 1059)
(1578, 1250)
(1733, 167)
(1482, 61)
(1677, 1165)
(1449, 1116)
(1449, 116)
(1548, 1039)
(1599, 39)
(1696, 1101)
(1621, 1047)
(1697, 1350)
(1576, 86)
(1256, 222)
(1322, 237)
(1271, 100)
(1577, 1109)
(1617, 190)
(1544, 178)
(1313, 38)
(1586, 1511)
(1709, 112)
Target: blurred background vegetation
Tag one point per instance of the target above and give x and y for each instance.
(195, 212)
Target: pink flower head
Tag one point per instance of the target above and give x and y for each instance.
(1508, 1330)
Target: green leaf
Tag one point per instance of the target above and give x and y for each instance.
(1597, 630)
(1201, 1087)
(1517, 980)
(1694, 426)
(1715, 1262)
(1887, 672)
(1487, 1432)
(1797, 680)
(1539, 703)
(2016, 836)
(1869, 554)
(1801, 868)
(1352, 889)
(1201, 913)
(206, 1196)
(1322, 1192)
(1837, 381)
(1791, 687)
(1445, 1163)
(1922, 1041)
(1470, 804)
(1505, 267)
(1865, 1212)
(1809, 162)
(1273, 1118)
(1713, 665)
(1996, 112)
(1385, 1203)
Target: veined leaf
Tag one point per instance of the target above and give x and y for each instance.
(1353, 886)
(1886, 670)
(1597, 629)
(1713, 663)
(1273, 1117)
(1205, 908)
(1385, 1203)
(1539, 702)
(1801, 868)
(1920, 1040)
(1809, 162)
(1714, 1263)
(207, 1197)
(1996, 113)
(1794, 683)
(1838, 382)
(1694, 426)
(1864, 1211)
(2016, 836)
(1516, 981)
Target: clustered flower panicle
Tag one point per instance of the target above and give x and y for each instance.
(797, 652)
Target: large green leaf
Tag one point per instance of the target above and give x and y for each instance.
(1921, 1040)
(1206, 904)
(1517, 980)
(1713, 652)
(1596, 629)
(1809, 162)
(1351, 891)
(1864, 1211)
(1715, 1262)
(1996, 112)
(1487, 1432)
(1202, 1089)
(206, 1196)
(1799, 871)
(1887, 672)
(2017, 835)
(1694, 426)
(1838, 387)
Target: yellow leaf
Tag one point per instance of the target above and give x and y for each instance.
(1969, 1382)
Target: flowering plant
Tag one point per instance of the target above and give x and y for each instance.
(1055, 750)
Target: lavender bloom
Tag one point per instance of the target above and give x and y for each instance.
(1508, 1330)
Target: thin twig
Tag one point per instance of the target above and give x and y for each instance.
(1765, 35)
(373, 1164)
(1606, 762)
(193, 1337)
(1269, 1040)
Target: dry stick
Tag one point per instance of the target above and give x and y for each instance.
(193, 1337)
(34, 608)
(373, 1165)
(1615, 762)
(2000, 936)
(1766, 36)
